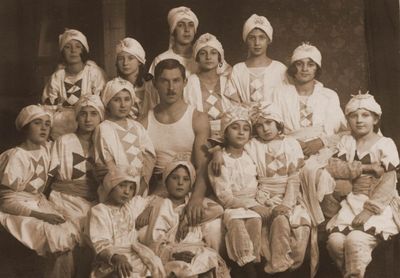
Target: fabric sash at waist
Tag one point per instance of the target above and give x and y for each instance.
(274, 185)
(78, 188)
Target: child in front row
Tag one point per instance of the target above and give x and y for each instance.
(370, 212)
(236, 189)
(278, 159)
(182, 248)
(111, 229)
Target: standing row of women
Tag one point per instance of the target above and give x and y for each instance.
(283, 158)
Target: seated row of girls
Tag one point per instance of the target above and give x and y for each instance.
(259, 188)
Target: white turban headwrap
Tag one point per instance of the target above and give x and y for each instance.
(234, 114)
(30, 113)
(72, 34)
(208, 39)
(90, 100)
(266, 110)
(114, 177)
(260, 22)
(115, 86)
(363, 101)
(306, 50)
(175, 164)
(132, 47)
(177, 14)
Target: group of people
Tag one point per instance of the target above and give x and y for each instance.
(201, 167)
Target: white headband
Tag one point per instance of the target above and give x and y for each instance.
(115, 86)
(30, 113)
(363, 101)
(306, 50)
(256, 21)
(132, 47)
(72, 34)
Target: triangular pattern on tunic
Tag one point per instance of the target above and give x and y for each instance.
(73, 92)
(275, 164)
(38, 179)
(128, 139)
(79, 166)
(256, 87)
(305, 115)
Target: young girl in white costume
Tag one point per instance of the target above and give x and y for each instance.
(76, 76)
(183, 25)
(278, 159)
(130, 62)
(236, 189)
(205, 89)
(111, 229)
(74, 188)
(184, 254)
(255, 79)
(25, 211)
(371, 211)
(120, 140)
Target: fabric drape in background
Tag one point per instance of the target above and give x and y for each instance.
(382, 30)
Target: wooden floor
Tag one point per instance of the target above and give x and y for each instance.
(16, 261)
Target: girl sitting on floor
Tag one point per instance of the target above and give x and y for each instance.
(111, 229)
(181, 247)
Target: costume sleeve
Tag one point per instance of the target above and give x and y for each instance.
(340, 169)
(149, 154)
(9, 205)
(16, 170)
(231, 91)
(295, 161)
(336, 124)
(55, 158)
(222, 189)
(160, 222)
(100, 232)
(385, 189)
(52, 90)
(382, 193)
(98, 79)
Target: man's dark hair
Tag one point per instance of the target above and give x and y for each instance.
(168, 64)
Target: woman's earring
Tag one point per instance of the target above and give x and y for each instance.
(220, 65)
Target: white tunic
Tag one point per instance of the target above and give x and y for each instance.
(112, 231)
(23, 177)
(74, 188)
(249, 85)
(236, 187)
(320, 117)
(163, 228)
(124, 147)
(384, 151)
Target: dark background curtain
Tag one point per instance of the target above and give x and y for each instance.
(382, 29)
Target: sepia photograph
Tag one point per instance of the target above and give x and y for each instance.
(199, 138)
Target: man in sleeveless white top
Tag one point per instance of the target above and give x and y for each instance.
(179, 131)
